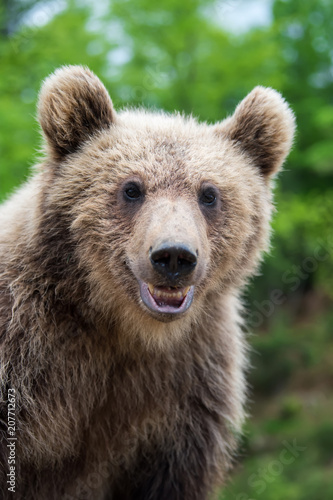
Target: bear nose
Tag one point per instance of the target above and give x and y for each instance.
(173, 260)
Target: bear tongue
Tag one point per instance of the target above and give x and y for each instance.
(168, 301)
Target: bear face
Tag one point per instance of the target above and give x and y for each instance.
(165, 212)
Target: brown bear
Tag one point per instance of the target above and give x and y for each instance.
(122, 354)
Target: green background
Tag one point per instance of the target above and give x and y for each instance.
(177, 56)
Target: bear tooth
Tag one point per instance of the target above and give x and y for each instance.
(168, 293)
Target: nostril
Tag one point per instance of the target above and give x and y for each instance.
(187, 257)
(161, 258)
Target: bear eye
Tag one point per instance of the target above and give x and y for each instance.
(132, 192)
(208, 195)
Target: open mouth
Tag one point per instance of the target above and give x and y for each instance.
(166, 300)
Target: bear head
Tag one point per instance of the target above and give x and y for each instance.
(164, 214)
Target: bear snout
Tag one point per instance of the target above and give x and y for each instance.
(173, 261)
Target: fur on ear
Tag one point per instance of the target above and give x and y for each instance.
(263, 125)
(73, 105)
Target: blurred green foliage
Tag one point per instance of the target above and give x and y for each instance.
(176, 56)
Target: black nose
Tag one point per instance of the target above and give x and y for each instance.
(173, 261)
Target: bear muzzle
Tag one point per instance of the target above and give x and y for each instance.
(167, 256)
(172, 262)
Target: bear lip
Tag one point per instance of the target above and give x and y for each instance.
(166, 300)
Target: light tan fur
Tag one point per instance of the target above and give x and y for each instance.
(98, 378)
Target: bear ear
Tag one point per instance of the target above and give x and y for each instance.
(73, 105)
(263, 126)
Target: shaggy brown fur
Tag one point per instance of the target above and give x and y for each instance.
(114, 400)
